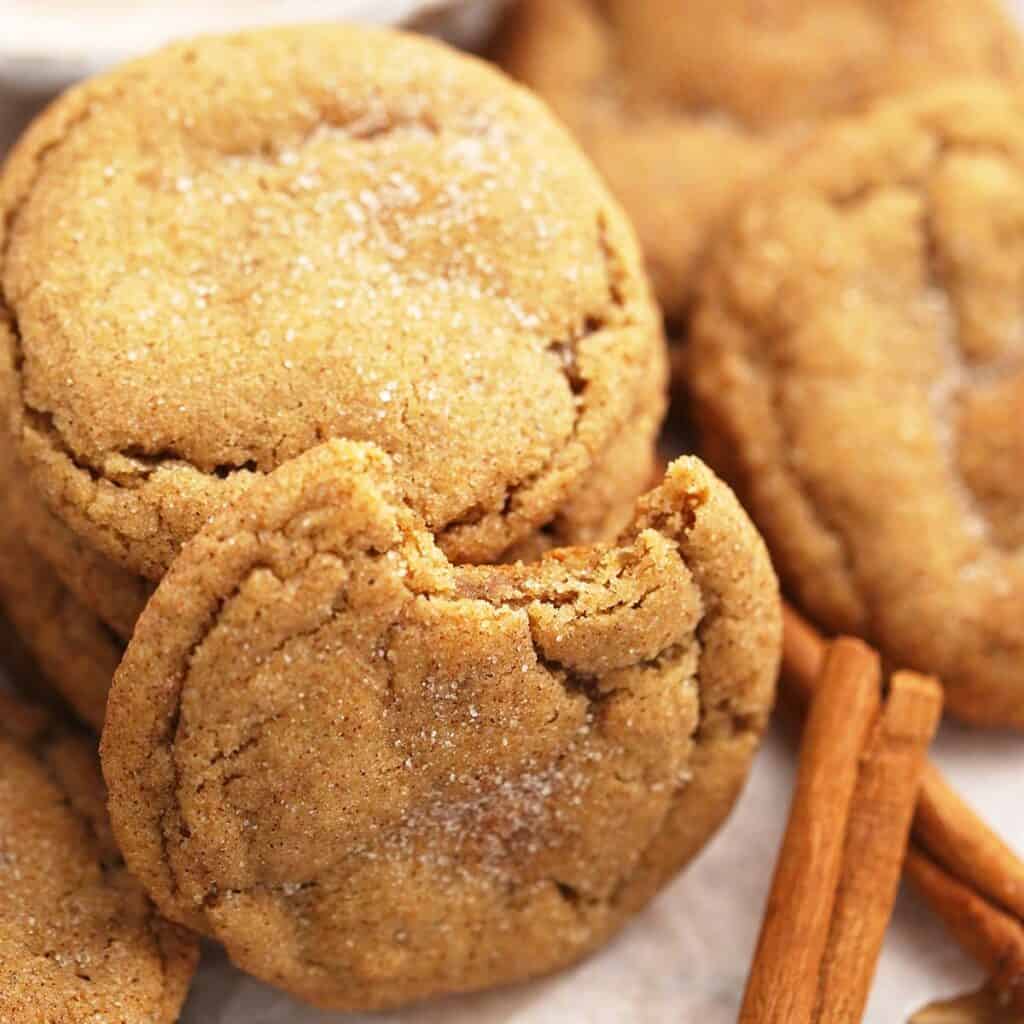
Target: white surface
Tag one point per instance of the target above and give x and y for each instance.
(684, 959)
(48, 43)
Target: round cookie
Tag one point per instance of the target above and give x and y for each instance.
(79, 941)
(218, 257)
(75, 652)
(858, 367)
(682, 105)
(376, 777)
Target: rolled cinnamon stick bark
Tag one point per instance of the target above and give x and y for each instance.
(783, 983)
(876, 843)
(945, 825)
(994, 938)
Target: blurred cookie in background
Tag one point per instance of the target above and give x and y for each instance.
(857, 366)
(682, 105)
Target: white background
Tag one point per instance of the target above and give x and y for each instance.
(686, 957)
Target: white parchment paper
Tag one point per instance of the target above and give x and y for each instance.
(686, 957)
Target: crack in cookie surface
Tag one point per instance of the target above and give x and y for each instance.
(359, 717)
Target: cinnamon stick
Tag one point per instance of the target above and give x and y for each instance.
(953, 833)
(783, 983)
(994, 938)
(876, 842)
(945, 825)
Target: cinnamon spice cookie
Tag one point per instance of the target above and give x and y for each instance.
(218, 257)
(682, 105)
(377, 777)
(858, 367)
(79, 941)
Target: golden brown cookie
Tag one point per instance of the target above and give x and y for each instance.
(98, 588)
(219, 256)
(858, 366)
(79, 941)
(378, 777)
(681, 105)
(76, 653)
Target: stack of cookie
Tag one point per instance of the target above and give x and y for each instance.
(836, 232)
(308, 339)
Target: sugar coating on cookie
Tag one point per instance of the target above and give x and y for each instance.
(377, 777)
(220, 256)
(858, 368)
(682, 105)
(79, 940)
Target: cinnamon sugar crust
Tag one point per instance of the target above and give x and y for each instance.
(376, 776)
(79, 941)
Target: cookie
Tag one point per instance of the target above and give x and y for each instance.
(79, 941)
(116, 597)
(220, 256)
(682, 105)
(858, 368)
(75, 652)
(376, 776)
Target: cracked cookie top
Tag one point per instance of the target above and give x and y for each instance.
(376, 776)
(858, 364)
(79, 941)
(682, 105)
(220, 256)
